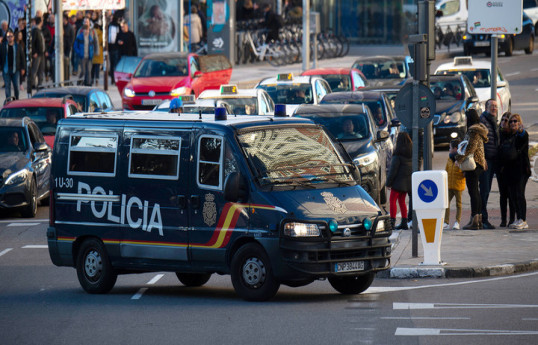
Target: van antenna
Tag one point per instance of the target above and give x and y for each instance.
(199, 114)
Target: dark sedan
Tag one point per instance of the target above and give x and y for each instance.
(24, 166)
(88, 99)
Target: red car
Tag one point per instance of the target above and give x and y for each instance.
(46, 112)
(340, 79)
(124, 71)
(164, 76)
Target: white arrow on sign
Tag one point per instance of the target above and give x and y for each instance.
(427, 191)
(218, 42)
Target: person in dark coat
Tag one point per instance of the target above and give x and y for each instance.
(113, 49)
(126, 41)
(69, 41)
(489, 119)
(38, 53)
(399, 178)
(272, 21)
(12, 63)
(504, 183)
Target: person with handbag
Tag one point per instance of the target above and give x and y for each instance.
(519, 170)
(506, 149)
(477, 135)
(399, 178)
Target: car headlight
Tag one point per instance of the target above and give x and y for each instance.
(178, 91)
(301, 230)
(455, 117)
(17, 178)
(380, 226)
(364, 160)
(128, 92)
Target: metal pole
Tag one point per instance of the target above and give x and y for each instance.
(59, 42)
(306, 35)
(181, 23)
(29, 82)
(494, 53)
(415, 110)
(105, 52)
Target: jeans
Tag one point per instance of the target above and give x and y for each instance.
(471, 180)
(517, 194)
(85, 71)
(38, 69)
(504, 197)
(12, 78)
(486, 178)
(96, 69)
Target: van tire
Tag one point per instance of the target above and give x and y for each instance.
(193, 279)
(30, 210)
(352, 285)
(509, 47)
(252, 274)
(531, 45)
(94, 270)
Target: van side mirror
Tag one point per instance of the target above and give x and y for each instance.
(39, 147)
(473, 99)
(395, 123)
(235, 188)
(382, 135)
(197, 74)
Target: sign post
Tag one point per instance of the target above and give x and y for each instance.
(430, 200)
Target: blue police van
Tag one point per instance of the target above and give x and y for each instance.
(268, 200)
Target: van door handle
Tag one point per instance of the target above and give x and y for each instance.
(182, 202)
(195, 201)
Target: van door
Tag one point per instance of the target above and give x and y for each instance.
(156, 186)
(213, 221)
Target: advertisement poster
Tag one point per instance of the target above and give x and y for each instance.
(12, 10)
(156, 26)
(93, 4)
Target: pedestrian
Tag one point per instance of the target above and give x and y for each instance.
(456, 185)
(126, 41)
(12, 62)
(48, 33)
(113, 48)
(21, 27)
(273, 23)
(477, 135)
(4, 27)
(399, 178)
(79, 18)
(69, 40)
(84, 50)
(519, 170)
(194, 29)
(38, 54)
(97, 60)
(19, 39)
(491, 148)
(502, 180)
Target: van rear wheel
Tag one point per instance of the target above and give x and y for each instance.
(252, 274)
(352, 285)
(193, 279)
(94, 270)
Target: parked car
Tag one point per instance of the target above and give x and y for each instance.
(88, 99)
(164, 76)
(383, 70)
(124, 71)
(354, 126)
(340, 79)
(390, 90)
(479, 73)
(481, 43)
(45, 112)
(242, 101)
(25, 163)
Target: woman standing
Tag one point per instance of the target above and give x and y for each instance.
(19, 39)
(477, 135)
(502, 180)
(519, 171)
(399, 178)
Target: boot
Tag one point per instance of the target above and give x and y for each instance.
(403, 225)
(480, 224)
(468, 224)
(393, 223)
(475, 223)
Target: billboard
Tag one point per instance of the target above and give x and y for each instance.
(93, 4)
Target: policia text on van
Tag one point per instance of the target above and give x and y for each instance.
(268, 200)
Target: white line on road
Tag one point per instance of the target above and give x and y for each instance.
(422, 318)
(407, 306)
(511, 74)
(155, 279)
(36, 246)
(447, 331)
(5, 251)
(23, 221)
(139, 294)
(529, 319)
(23, 224)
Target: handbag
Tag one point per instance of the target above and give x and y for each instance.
(468, 164)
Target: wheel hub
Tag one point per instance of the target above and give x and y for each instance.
(254, 272)
(93, 264)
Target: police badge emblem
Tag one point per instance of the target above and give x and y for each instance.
(210, 210)
(334, 203)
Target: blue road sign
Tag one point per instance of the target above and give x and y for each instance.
(427, 191)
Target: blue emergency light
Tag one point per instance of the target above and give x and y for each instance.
(280, 110)
(220, 114)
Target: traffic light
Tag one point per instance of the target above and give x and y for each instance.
(426, 24)
(418, 67)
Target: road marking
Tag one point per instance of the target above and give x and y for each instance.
(422, 318)
(511, 74)
(448, 331)
(23, 221)
(23, 224)
(5, 251)
(139, 294)
(155, 279)
(414, 306)
(529, 319)
(36, 246)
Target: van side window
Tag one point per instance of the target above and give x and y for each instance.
(210, 162)
(154, 157)
(92, 155)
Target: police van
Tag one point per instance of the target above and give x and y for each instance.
(268, 200)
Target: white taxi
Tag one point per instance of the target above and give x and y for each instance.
(295, 90)
(242, 101)
(479, 74)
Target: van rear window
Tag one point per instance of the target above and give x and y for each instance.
(155, 157)
(92, 155)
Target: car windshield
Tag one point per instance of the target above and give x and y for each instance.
(345, 127)
(289, 93)
(338, 82)
(381, 68)
(12, 139)
(172, 67)
(45, 118)
(79, 99)
(241, 106)
(294, 156)
(377, 107)
(448, 90)
(478, 77)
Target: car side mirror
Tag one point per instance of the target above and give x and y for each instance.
(473, 99)
(197, 74)
(382, 135)
(395, 123)
(235, 188)
(40, 147)
(501, 83)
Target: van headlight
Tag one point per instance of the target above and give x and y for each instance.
(17, 178)
(178, 91)
(365, 160)
(128, 92)
(455, 117)
(301, 230)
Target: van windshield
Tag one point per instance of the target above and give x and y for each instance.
(295, 156)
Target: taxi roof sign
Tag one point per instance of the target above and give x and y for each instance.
(284, 76)
(228, 89)
(187, 98)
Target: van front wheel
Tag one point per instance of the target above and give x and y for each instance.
(352, 285)
(94, 271)
(193, 279)
(252, 275)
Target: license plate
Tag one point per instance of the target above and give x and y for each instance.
(151, 101)
(481, 44)
(349, 266)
